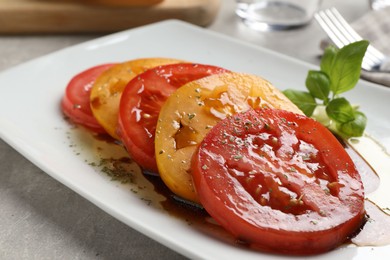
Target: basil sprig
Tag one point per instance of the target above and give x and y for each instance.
(339, 72)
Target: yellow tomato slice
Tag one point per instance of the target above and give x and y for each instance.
(108, 87)
(191, 111)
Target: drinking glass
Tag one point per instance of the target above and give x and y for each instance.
(268, 15)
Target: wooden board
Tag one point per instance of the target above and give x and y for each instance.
(75, 16)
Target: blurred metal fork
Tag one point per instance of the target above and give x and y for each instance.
(341, 33)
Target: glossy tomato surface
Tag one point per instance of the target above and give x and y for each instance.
(107, 90)
(193, 109)
(279, 181)
(75, 103)
(142, 100)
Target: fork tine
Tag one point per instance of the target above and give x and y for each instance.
(343, 25)
(341, 33)
(330, 29)
(330, 25)
(352, 35)
(349, 33)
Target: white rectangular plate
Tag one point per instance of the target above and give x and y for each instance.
(31, 121)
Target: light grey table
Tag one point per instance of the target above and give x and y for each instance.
(42, 219)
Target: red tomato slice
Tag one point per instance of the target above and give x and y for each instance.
(75, 103)
(141, 102)
(279, 181)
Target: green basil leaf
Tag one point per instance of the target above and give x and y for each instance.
(303, 100)
(346, 67)
(354, 128)
(327, 59)
(340, 110)
(318, 84)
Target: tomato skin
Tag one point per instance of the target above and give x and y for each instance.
(223, 179)
(189, 113)
(142, 100)
(107, 89)
(79, 117)
(75, 103)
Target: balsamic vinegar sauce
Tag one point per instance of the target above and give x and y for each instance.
(109, 158)
(106, 156)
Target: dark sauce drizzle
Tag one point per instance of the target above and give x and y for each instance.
(197, 217)
(119, 169)
(194, 214)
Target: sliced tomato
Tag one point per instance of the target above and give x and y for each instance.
(190, 112)
(142, 100)
(279, 181)
(75, 103)
(107, 90)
